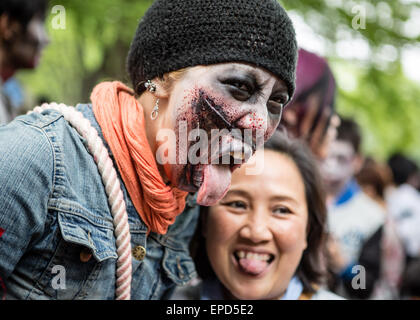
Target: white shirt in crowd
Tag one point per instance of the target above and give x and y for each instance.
(353, 222)
(404, 205)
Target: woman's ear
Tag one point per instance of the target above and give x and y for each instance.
(163, 87)
(307, 233)
(358, 163)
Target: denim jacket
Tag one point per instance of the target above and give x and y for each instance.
(58, 240)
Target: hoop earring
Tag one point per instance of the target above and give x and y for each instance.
(155, 111)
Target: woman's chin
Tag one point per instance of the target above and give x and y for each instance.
(250, 293)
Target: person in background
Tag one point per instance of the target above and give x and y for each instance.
(383, 255)
(22, 39)
(410, 288)
(14, 92)
(310, 115)
(353, 217)
(404, 202)
(266, 239)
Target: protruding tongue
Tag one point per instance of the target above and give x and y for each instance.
(253, 266)
(216, 182)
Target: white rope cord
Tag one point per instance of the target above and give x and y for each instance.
(112, 188)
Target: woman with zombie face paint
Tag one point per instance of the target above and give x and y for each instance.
(99, 201)
(266, 239)
(311, 116)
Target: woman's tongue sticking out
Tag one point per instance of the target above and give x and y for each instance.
(216, 182)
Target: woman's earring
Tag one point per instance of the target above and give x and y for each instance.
(155, 111)
(150, 86)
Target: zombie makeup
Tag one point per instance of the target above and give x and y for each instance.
(228, 111)
(337, 169)
(221, 146)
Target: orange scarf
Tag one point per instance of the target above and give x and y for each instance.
(121, 119)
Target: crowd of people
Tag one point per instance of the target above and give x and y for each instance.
(306, 214)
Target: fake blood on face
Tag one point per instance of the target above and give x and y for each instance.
(207, 113)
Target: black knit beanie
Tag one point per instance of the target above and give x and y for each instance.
(175, 34)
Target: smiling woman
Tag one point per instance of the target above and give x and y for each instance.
(266, 238)
(82, 186)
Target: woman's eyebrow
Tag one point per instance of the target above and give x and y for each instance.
(238, 192)
(284, 198)
(279, 86)
(281, 91)
(247, 71)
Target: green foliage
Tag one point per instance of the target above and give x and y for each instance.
(94, 44)
(383, 101)
(91, 48)
(385, 105)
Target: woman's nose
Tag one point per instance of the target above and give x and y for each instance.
(257, 228)
(255, 120)
(253, 117)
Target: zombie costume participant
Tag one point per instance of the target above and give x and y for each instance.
(310, 115)
(85, 189)
(22, 39)
(404, 203)
(363, 231)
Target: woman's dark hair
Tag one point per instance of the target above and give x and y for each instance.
(402, 168)
(376, 175)
(23, 10)
(349, 131)
(313, 267)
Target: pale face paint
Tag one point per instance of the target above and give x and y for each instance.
(338, 167)
(223, 96)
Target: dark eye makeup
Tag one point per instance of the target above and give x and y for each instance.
(242, 87)
(276, 104)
